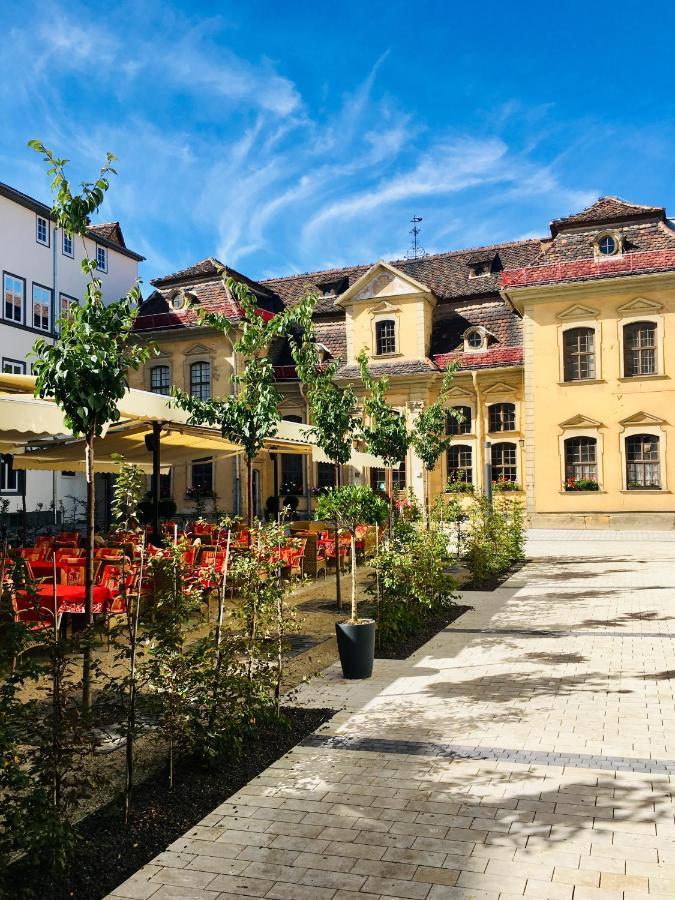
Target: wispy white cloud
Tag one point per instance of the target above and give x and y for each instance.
(221, 154)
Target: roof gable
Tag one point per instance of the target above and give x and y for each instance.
(383, 280)
(606, 211)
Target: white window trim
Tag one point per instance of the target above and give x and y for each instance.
(598, 437)
(103, 269)
(657, 320)
(475, 329)
(655, 431)
(156, 363)
(39, 218)
(22, 281)
(462, 440)
(509, 438)
(189, 363)
(50, 295)
(390, 315)
(597, 343)
(70, 255)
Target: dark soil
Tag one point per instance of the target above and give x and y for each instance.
(407, 644)
(491, 584)
(108, 854)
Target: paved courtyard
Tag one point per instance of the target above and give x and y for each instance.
(528, 750)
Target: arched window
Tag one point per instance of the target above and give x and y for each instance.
(581, 459)
(461, 422)
(643, 465)
(502, 417)
(504, 462)
(160, 380)
(385, 337)
(460, 463)
(639, 349)
(200, 380)
(579, 354)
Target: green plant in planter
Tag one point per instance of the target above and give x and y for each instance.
(459, 487)
(127, 494)
(350, 506)
(504, 486)
(581, 484)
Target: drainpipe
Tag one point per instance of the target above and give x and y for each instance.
(478, 468)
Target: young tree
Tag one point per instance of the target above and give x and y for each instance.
(86, 369)
(127, 494)
(333, 410)
(350, 506)
(386, 434)
(251, 414)
(429, 437)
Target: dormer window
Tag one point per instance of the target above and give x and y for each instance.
(475, 339)
(483, 264)
(385, 337)
(333, 288)
(608, 245)
(479, 269)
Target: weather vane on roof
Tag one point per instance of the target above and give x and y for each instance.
(416, 250)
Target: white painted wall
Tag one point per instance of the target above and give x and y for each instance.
(21, 255)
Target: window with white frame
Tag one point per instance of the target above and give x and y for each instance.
(639, 349)
(42, 303)
(67, 244)
(66, 303)
(643, 462)
(460, 467)
(579, 354)
(42, 230)
(13, 366)
(13, 290)
(11, 480)
(581, 459)
(200, 380)
(101, 259)
(504, 462)
(160, 380)
(459, 420)
(502, 417)
(385, 337)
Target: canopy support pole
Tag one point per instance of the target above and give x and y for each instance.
(156, 537)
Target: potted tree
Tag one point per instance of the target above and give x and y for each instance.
(350, 506)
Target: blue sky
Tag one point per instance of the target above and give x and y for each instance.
(285, 137)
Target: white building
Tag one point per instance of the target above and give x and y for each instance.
(41, 276)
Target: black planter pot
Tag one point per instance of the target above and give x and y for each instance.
(356, 646)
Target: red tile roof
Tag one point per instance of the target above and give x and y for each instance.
(584, 269)
(494, 358)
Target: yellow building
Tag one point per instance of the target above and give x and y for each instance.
(563, 346)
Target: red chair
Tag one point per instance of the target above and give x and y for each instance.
(38, 619)
(209, 572)
(295, 557)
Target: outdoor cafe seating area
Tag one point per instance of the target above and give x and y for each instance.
(50, 588)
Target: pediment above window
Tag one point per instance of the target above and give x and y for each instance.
(499, 388)
(383, 308)
(198, 350)
(383, 280)
(458, 393)
(578, 311)
(581, 421)
(640, 305)
(642, 418)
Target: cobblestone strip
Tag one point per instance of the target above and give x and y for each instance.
(531, 632)
(496, 754)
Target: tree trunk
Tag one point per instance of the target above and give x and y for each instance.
(338, 584)
(219, 632)
(352, 540)
(249, 491)
(89, 570)
(427, 498)
(131, 716)
(390, 491)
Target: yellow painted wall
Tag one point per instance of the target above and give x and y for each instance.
(609, 399)
(412, 314)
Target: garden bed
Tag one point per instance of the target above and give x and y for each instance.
(408, 644)
(491, 584)
(108, 854)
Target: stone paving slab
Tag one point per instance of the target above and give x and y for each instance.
(526, 751)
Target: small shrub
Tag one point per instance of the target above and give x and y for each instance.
(495, 539)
